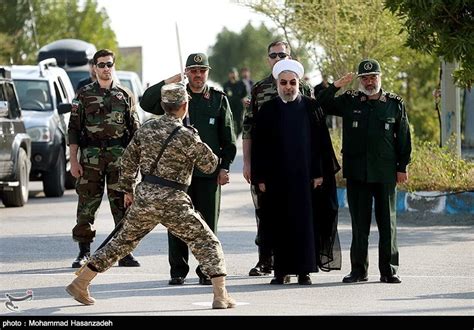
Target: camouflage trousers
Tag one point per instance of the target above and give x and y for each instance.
(153, 205)
(101, 167)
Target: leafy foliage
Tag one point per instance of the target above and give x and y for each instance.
(441, 27)
(50, 20)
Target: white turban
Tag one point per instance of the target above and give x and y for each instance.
(288, 65)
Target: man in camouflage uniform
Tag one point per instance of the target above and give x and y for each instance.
(210, 114)
(376, 148)
(103, 120)
(263, 91)
(165, 152)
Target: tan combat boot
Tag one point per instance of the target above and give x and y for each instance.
(79, 288)
(222, 300)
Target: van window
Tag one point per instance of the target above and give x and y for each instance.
(13, 104)
(34, 95)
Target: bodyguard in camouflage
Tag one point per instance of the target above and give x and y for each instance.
(263, 91)
(103, 120)
(165, 152)
(376, 150)
(210, 114)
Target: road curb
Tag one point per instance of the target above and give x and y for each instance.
(426, 201)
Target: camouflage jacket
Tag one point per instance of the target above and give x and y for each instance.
(263, 91)
(102, 114)
(184, 150)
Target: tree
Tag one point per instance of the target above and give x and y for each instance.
(441, 27)
(339, 33)
(49, 20)
(244, 49)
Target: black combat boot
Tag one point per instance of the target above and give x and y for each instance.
(84, 254)
(128, 261)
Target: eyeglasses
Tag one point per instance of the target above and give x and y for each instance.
(280, 55)
(200, 70)
(291, 82)
(103, 65)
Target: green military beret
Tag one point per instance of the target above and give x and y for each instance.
(368, 66)
(196, 60)
(174, 93)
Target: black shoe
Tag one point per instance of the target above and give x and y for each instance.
(304, 279)
(390, 279)
(205, 281)
(128, 261)
(176, 281)
(280, 279)
(353, 278)
(260, 270)
(80, 260)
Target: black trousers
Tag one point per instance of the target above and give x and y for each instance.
(360, 196)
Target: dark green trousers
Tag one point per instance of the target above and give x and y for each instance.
(360, 196)
(205, 194)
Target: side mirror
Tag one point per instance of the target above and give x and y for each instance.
(64, 108)
(3, 108)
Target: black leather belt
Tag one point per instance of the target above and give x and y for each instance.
(104, 143)
(164, 182)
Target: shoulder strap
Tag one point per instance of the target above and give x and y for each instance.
(165, 144)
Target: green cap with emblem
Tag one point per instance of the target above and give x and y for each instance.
(174, 93)
(368, 66)
(197, 60)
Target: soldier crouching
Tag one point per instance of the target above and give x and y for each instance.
(165, 151)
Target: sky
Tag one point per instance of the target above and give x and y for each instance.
(152, 25)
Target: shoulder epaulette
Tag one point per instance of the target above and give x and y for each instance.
(217, 90)
(192, 129)
(394, 96)
(352, 92)
(125, 90)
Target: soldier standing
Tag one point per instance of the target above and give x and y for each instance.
(165, 152)
(376, 152)
(103, 120)
(263, 91)
(210, 114)
(236, 92)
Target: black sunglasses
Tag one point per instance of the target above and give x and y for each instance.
(103, 65)
(280, 55)
(291, 82)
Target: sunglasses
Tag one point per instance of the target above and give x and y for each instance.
(201, 71)
(103, 65)
(291, 82)
(280, 55)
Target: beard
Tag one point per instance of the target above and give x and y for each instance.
(288, 96)
(371, 90)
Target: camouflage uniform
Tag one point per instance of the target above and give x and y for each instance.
(154, 204)
(263, 91)
(102, 122)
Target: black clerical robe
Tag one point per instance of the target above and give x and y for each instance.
(291, 147)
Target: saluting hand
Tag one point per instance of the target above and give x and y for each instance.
(344, 80)
(174, 79)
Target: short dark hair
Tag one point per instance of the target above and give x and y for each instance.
(279, 42)
(102, 53)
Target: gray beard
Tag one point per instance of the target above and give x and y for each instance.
(373, 92)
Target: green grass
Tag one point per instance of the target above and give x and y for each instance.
(431, 169)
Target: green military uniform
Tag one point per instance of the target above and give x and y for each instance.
(102, 123)
(159, 204)
(262, 91)
(235, 92)
(376, 145)
(210, 114)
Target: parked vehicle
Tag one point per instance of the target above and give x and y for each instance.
(45, 94)
(72, 55)
(15, 145)
(131, 80)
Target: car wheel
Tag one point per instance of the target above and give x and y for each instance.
(19, 195)
(54, 182)
(70, 181)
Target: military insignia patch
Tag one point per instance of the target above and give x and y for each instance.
(363, 98)
(119, 117)
(119, 95)
(207, 96)
(75, 106)
(368, 66)
(212, 121)
(198, 58)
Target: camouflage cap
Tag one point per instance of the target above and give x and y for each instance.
(174, 93)
(196, 60)
(368, 66)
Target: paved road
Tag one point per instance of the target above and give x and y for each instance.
(36, 251)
